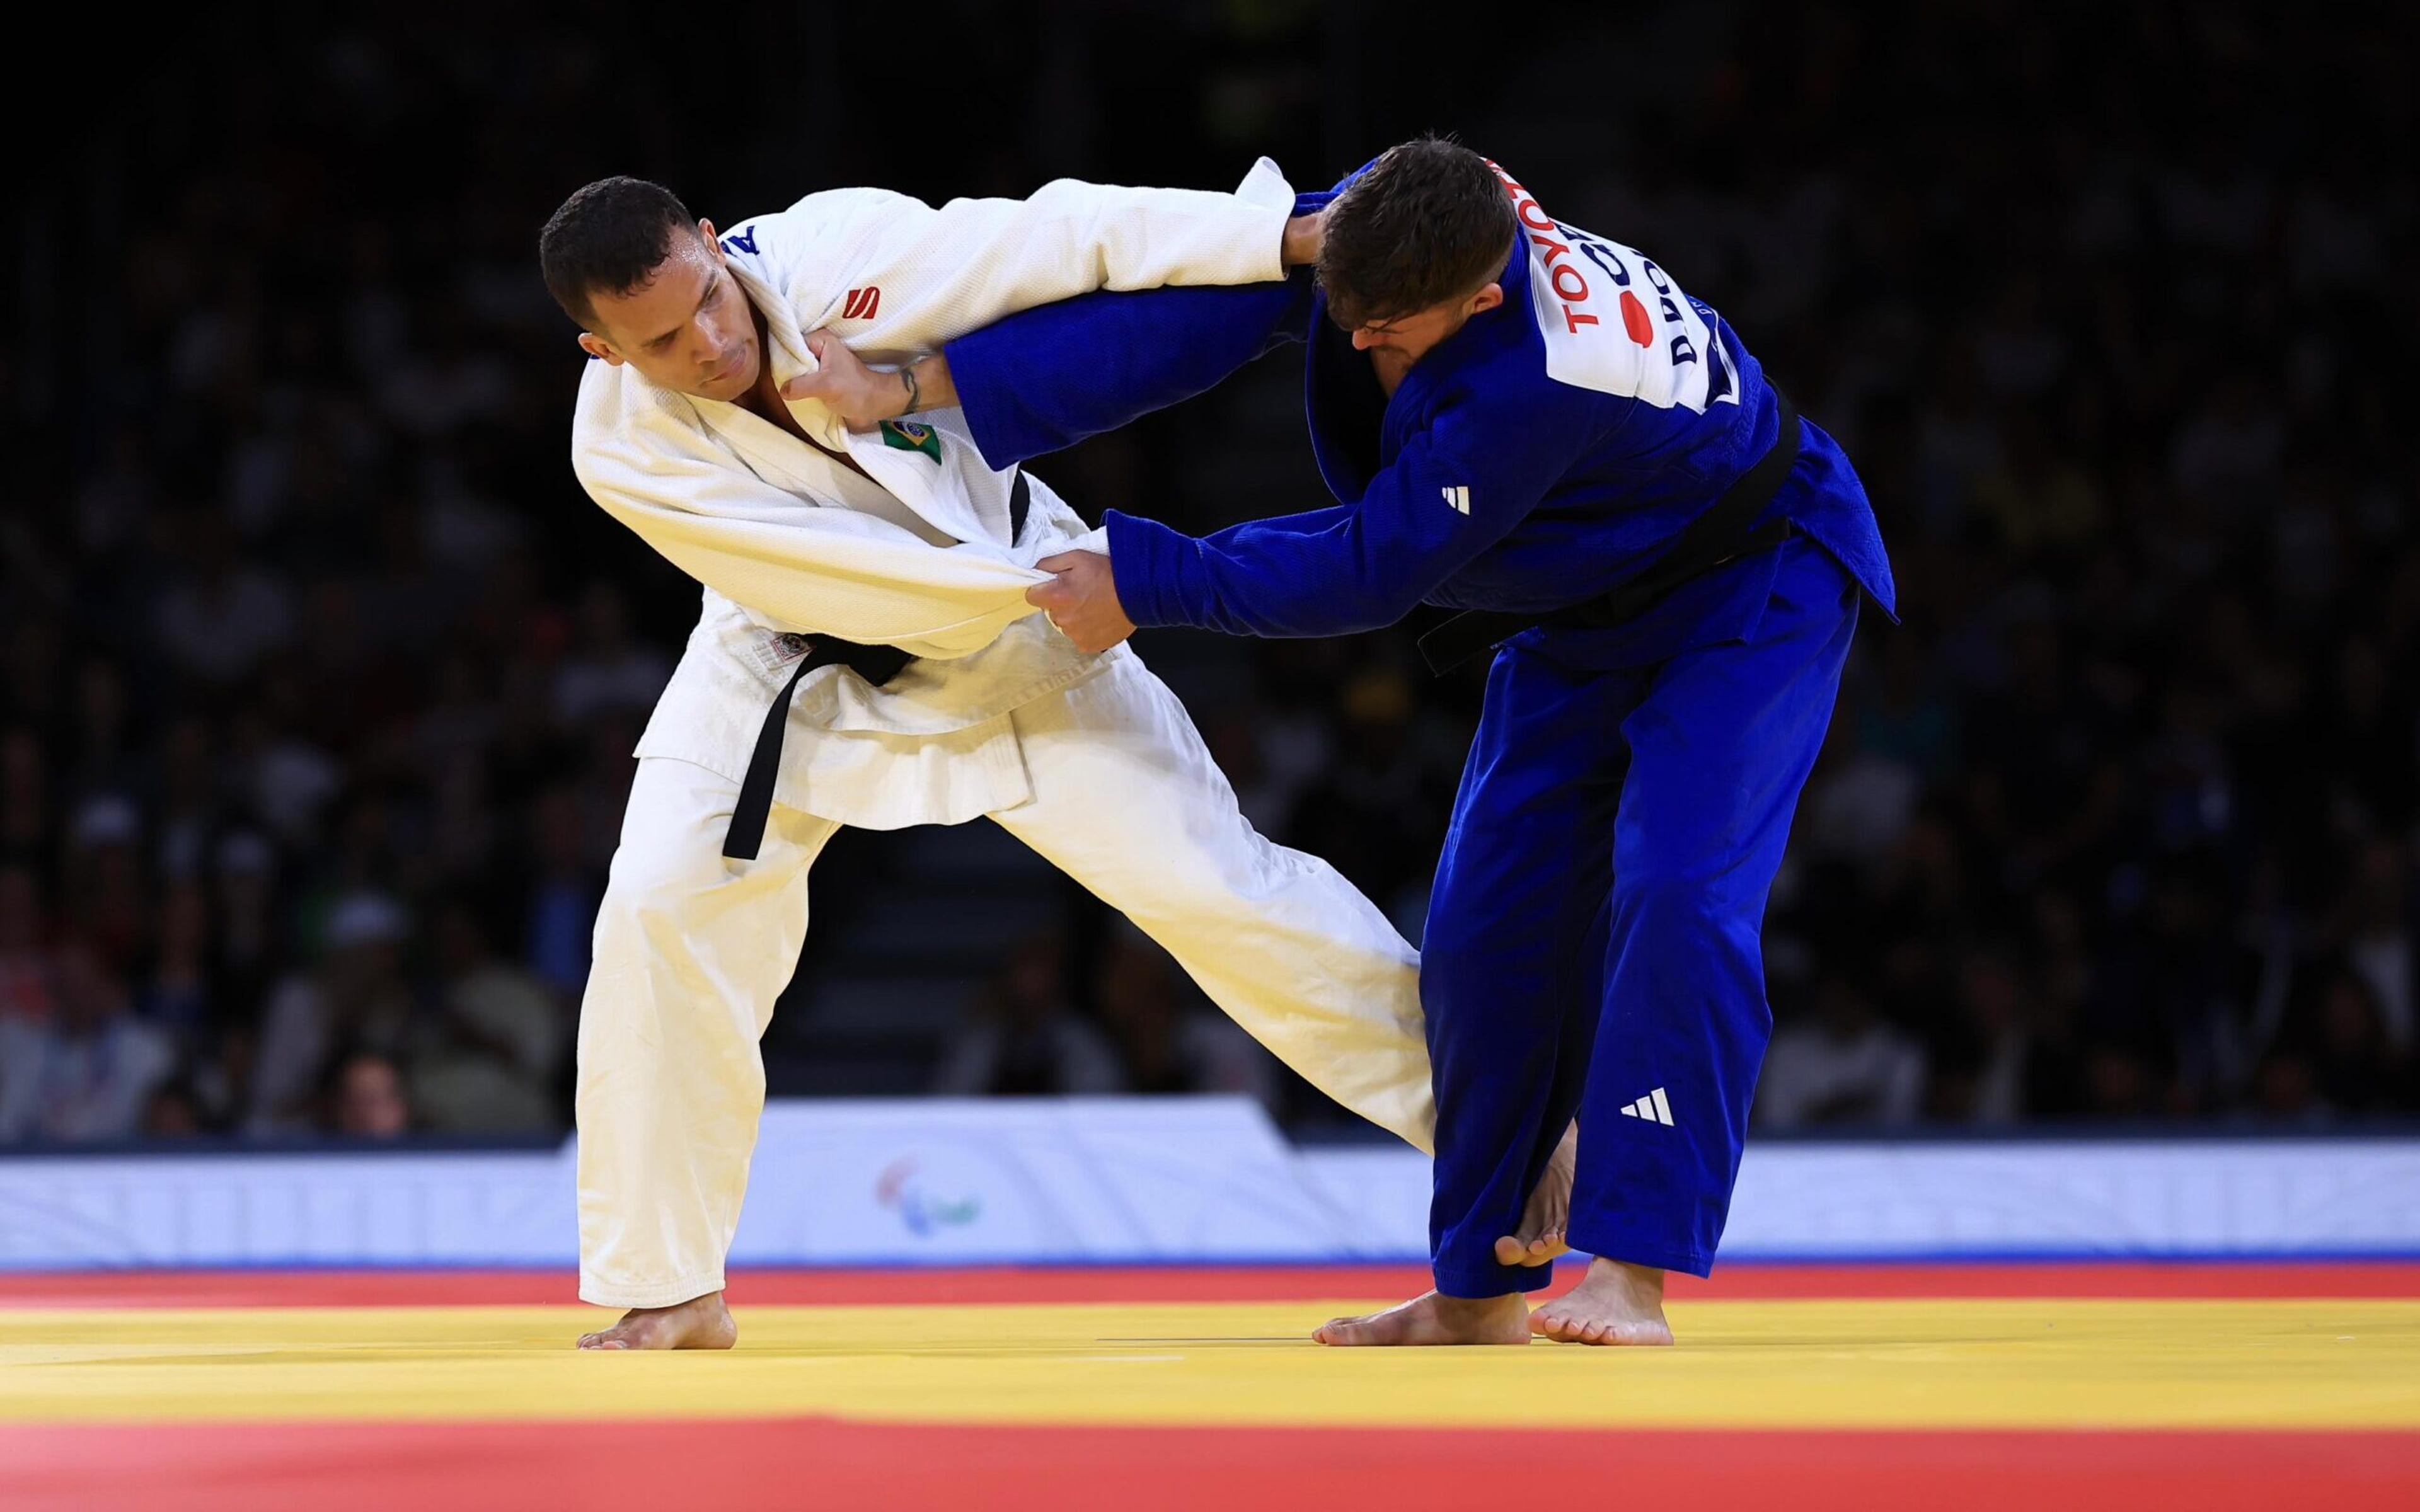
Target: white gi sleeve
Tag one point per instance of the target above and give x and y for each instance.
(939, 273)
(800, 567)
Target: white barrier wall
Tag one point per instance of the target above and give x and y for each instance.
(1193, 1180)
(1096, 1178)
(1916, 1200)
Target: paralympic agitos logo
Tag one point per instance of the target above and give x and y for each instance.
(922, 1213)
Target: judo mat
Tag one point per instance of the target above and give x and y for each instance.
(1978, 1386)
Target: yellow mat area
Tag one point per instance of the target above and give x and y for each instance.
(2033, 1362)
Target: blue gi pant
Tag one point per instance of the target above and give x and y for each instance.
(1593, 938)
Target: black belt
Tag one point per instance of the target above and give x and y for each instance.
(875, 664)
(1714, 538)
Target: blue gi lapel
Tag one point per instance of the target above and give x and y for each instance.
(1355, 428)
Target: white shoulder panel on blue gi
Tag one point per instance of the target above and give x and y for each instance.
(1612, 319)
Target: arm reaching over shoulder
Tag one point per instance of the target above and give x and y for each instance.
(917, 276)
(1049, 377)
(1052, 375)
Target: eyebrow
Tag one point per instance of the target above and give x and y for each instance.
(711, 284)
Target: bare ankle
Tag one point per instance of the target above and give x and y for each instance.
(1480, 1307)
(1644, 1281)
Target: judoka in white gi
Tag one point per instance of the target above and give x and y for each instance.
(817, 549)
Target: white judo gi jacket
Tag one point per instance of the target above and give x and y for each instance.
(918, 557)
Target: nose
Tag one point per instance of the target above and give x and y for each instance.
(1364, 338)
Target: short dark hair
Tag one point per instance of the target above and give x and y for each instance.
(610, 236)
(1427, 222)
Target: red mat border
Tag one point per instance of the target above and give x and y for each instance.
(392, 1467)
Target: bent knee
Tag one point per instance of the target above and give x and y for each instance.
(650, 889)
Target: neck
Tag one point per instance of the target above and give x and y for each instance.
(764, 397)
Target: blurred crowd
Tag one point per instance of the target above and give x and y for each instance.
(320, 676)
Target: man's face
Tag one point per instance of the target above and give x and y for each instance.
(1405, 339)
(687, 327)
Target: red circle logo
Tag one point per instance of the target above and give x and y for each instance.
(1633, 319)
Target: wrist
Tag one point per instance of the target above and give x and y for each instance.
(1304, 236)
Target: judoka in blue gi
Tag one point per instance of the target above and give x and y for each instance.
(1533, 423)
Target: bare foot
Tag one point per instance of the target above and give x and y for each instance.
(1541, 1237)
(1614, 1303)
(698, 1324)
(1433, 1318)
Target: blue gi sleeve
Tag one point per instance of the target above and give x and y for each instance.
(1049, 377)
(1456, 488)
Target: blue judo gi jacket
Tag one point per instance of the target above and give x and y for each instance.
(1546, 453)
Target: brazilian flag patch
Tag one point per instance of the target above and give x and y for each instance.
(908, 436)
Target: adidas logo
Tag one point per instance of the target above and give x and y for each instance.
(1457, 498)
(1651, 1107)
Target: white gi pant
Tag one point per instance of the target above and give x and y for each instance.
(692, 948)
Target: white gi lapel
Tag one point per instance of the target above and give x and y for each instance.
(920, 478)
(908, 457)
(777, 457)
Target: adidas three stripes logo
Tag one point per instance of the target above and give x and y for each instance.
(1651, 1107)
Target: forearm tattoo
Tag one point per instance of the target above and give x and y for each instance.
(915, 393)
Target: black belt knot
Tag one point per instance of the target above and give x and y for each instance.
(875, 664)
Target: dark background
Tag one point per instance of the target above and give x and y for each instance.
(321, 673)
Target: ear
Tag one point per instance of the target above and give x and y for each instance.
(713, 242)
(595, 346)
(1486, 299)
